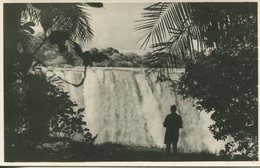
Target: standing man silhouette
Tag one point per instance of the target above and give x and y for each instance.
(173, 123)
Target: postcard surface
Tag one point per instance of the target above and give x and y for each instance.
(129, 83)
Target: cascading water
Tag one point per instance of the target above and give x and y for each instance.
(122, 105)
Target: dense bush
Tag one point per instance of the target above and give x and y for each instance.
(32, 101)
(42, 111)
(226, 82)
(223, 78)
(229, 91)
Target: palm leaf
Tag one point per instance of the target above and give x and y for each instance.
(183, 29)
(30, 13)
(168, 28)
(161, 21)
(63, 24)
(71, 18)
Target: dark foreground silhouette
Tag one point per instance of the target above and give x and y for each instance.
(80, 152)
(173, 123)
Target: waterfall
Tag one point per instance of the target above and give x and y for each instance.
(122, 105)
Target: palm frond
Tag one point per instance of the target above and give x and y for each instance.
(30, 13)
(71, 18)
(168, 27)
(183, 29)
(71, 49)
(161, 21)
(152, 24)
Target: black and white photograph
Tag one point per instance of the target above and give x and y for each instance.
(99, 81)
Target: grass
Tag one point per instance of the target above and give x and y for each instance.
(81, 152)
(119, 152)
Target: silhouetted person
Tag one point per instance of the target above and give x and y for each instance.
(173, 123)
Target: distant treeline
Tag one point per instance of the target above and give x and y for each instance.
(109, 57)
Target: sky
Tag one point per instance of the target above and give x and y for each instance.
(113, 27)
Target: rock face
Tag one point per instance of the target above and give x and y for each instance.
(122, 105)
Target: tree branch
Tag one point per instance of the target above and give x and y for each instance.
(76, 85)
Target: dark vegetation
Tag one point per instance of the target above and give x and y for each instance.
(217, 42)
(36, 118)
(80, 152)
(36, 109)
